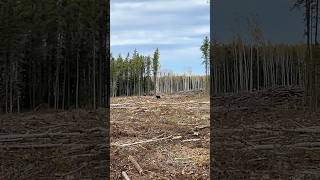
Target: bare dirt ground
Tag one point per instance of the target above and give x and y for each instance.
(173, 142)
(261, 135)
(266, 135)
(53, 145)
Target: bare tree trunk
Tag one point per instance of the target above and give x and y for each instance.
(64, 83)
(94, 74)
(317, 21)
(56, 101)
(155, 83)
(11, 87)
(251, 68)
(77, 85)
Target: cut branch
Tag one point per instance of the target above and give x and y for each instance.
(143, 142)
(136, 165)
(125, 175)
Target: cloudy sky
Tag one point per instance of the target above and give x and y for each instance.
(279, 22)
(176, 27)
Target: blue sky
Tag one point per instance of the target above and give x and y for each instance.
(176, 27)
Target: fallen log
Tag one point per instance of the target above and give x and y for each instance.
(124, 107)
(274, 146)
(112, 105)
(136, 165)
(11, 140)
(202, 127)
(263, 147)
(191, 140)
(16, 136)
(125, 175)
(176, 137)
(36, 146)
(305, 144)
(302, 130)
(188, 102)
(73, 171)
(142, 142)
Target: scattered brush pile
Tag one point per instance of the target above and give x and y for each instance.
(273, 137)
(268, 134)
(268, 97)
(61, 145)
(166, 138)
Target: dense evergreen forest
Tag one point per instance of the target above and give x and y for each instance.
(132, 75)
(53, 52)
(138, 75)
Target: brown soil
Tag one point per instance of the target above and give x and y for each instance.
(177, 117)
(272, 136)
(261, 135)
(53, 145)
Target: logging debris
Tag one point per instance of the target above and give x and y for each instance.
(149, 130)
(125, 175)
(136, 164)
(268, 132)
(53, 145)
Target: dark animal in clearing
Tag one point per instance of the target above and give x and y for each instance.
(158, 97)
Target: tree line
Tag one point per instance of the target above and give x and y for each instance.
(134, 75)
(169, 83)
(240, 67)
(53, 52)
(253, 65)
(138, 74)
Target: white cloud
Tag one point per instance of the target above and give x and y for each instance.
(182, 24)
(157, 21)
(158, 5)
(180, 52)
(202, 30)
(179, 36)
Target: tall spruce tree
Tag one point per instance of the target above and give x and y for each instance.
(155, 65)
(205, 50)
